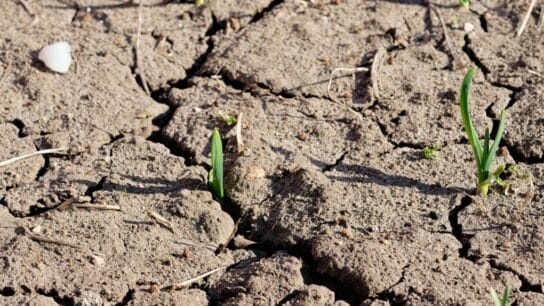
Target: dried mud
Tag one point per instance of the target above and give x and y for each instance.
(331, 198)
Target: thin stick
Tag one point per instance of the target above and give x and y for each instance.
(27, 8)
(191, 281)
(139, 67)
(526, 18)
(161, 220)
(374, 72)
(18, 158)
(99, 206)
(239, 140)
(535, 73)
(351, 70)
(40, 238)
(526, 200)
(65, 204)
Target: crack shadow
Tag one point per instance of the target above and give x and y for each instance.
(368, 175)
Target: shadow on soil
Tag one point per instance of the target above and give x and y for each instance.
(367, 175)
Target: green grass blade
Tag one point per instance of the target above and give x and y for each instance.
(215, 177)
(489, 158)
(467, 123)
(495, 297)
(505, 296)
(486, 143)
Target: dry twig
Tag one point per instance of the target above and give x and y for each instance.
(161, 220)
(40, 238)
(351, 70)
(526, 18)
(375, 72)
(18, 158)
(189, 282)
(239, 140)
(99, 206)
(526, 200)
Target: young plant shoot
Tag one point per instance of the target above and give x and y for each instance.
(464, 3)
(483, 155)
(215, 176)
(505, 297)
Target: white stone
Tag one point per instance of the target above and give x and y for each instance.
(468, 27)
(57, 56)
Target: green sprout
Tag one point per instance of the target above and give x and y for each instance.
(229, 120)
(505, 297)
(215, 176)
(464, 3)
(199, 2)
(484, 156)
(430, 152)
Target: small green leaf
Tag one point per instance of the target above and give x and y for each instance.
(489, 158)
(464, 3)
(215, 176)
(229, 120)
(199, 2)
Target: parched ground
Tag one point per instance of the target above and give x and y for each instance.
(330, 202)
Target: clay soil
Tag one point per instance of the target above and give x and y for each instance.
(330, 202)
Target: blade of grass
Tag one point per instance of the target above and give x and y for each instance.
(505, 296)
(493, 150)
(495, 297)
(469, 127)
(215, 176)
(486, 143)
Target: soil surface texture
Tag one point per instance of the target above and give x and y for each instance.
(329, 199)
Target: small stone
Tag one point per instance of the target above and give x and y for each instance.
(303, 136)
(186, 253)
(97, 260)
(507, 245)
(418, 290)
(346, 232)
(56, 56)
(242, 242)
(234, 23)
(37, 229)
(503, 151)
(153, 288)
(468, 27)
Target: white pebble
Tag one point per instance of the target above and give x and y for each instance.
(468, 27)
(57, 56)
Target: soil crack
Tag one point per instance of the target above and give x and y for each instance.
(127, 298)
(54, 294)
(267, 9)
(457, 228)
(473, 57)
(526, 285)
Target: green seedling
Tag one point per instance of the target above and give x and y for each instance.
(464, 3)
(430, 152)
(215, 176)
(483, 155)
(229, 120)
(199, 2)
(505, 297)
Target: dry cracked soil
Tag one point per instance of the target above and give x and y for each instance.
(330, 202)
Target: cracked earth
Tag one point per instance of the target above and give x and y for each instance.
(330, 203)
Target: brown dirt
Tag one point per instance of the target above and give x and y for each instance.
(333, 190)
